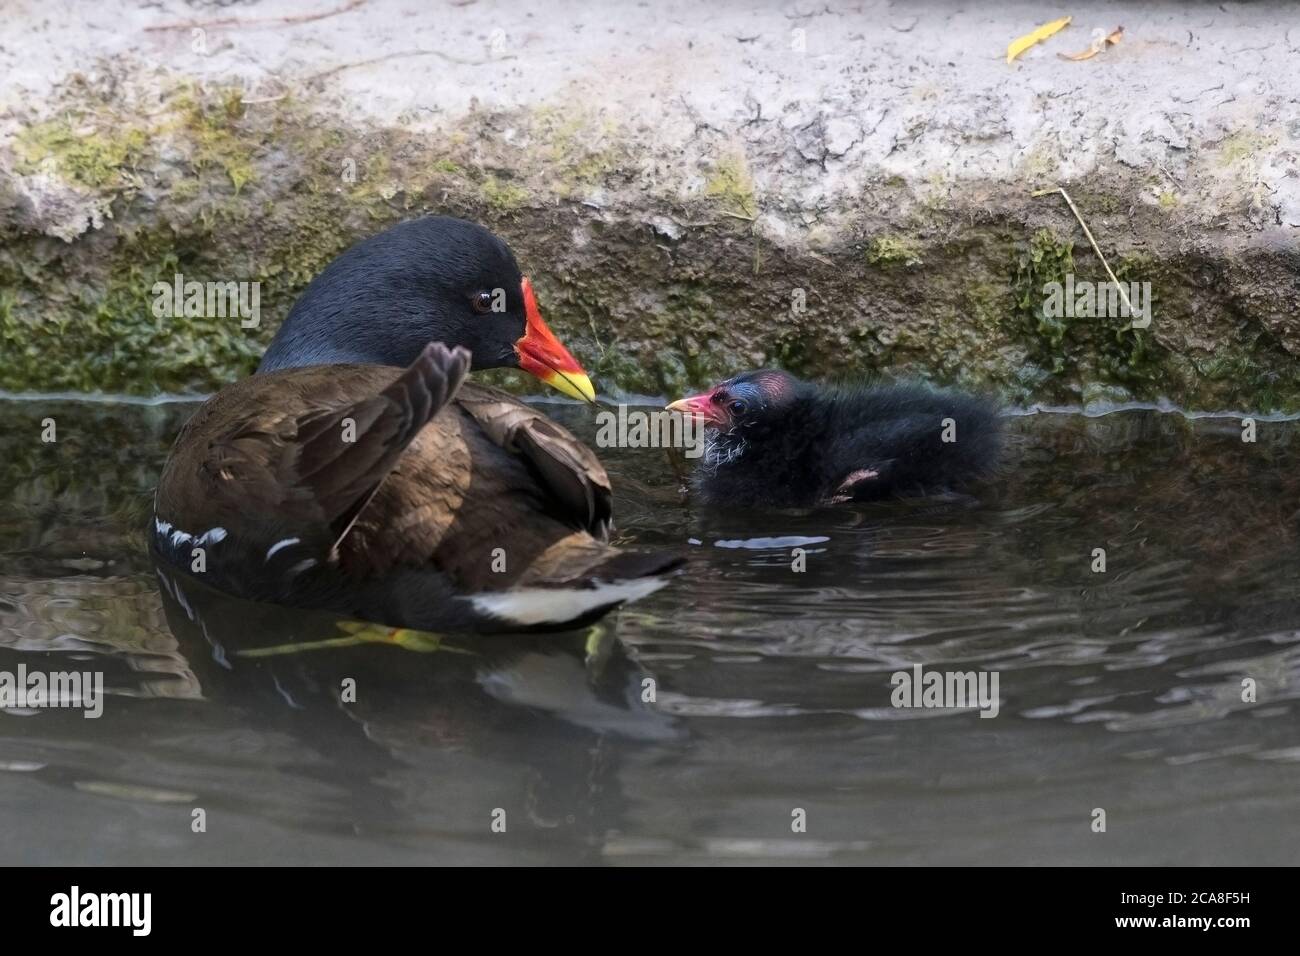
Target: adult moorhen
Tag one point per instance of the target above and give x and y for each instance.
(334, 478)
(773, 440)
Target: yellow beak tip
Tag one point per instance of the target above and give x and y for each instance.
(573, 384)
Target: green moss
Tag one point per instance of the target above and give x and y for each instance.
(574, 150)
(614, 370)
(594, 166)
(85, 322)
(502, 196)
(1043, 259)
(1272, 388)
(894, 250)
(1243, 144)
(88, 156)
(1092, 202)
(980, 353)
(934, 199)
(1241, 367)
(733, 187)
(1128, 356)
(1038, 165)
(105, 337)
(215, 138)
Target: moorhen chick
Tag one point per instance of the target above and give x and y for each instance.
(774, 440)
(358, 472)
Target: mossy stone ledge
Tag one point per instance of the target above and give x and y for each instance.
(663, 270)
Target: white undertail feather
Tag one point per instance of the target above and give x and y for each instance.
(533, 606)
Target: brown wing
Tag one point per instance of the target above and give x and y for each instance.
(298, 448)
(566, 469)
(483, 495)
(487, 476)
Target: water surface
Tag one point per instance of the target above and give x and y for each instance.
(1120, 690)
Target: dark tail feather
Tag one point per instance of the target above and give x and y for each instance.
(628, 565)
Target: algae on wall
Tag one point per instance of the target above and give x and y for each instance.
(657, 286)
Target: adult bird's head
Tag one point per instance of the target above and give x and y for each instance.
(434, 279)
(748, 403)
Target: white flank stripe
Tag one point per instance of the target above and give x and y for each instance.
(177, 537)
(281, 544)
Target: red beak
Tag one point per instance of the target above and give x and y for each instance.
(541, 354)
(702, 406)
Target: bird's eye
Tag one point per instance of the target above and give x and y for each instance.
(738, 407)
(481, 302)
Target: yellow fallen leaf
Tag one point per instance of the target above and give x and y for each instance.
(1019, 46)
(1100, 41)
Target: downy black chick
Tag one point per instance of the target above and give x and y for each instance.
(774, 440)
